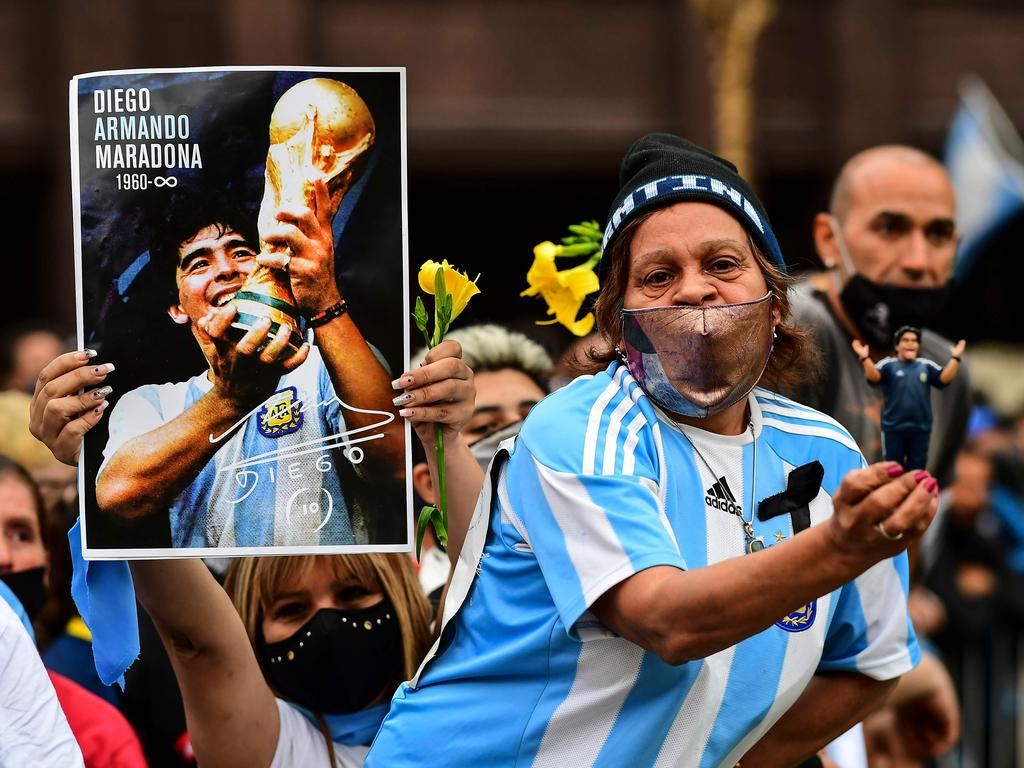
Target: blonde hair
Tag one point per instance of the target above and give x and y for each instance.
(254, 582)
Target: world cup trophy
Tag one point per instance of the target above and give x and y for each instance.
(319, 130)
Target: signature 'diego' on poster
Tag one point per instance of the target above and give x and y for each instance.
(240, 246)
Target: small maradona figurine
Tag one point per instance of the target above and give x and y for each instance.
(906, 380)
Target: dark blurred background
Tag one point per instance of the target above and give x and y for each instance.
(519, 111)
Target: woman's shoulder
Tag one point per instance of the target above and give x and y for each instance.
(586, 412)
(791, 422)
(300, 742)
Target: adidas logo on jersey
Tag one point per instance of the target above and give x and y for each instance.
(719, 496)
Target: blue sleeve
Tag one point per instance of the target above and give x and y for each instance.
(869, 629)
(934, 371)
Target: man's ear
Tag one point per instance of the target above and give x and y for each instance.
(178, 314)
(825, 242)
(422, 482)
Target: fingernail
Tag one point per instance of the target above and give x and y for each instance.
(101, 407)
(103, 370)
(406, 413)
(401, 382)
(894, 471)
(920, 475)
(931, 485)
(86, 354)
(102, 392)
(402, 399)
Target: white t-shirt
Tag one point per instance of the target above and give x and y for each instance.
(301, 743)
(33, 729)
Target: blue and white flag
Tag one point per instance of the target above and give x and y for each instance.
(985, 159)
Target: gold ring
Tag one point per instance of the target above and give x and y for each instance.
(880, 525)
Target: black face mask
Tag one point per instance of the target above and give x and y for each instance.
(878, 310)
(338, 661)
(29, 587)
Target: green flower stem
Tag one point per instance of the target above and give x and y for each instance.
(442, 486)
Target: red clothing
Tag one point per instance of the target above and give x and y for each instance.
(104, 736)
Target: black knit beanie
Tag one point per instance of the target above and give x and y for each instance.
(661, 169)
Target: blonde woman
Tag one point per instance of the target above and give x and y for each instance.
(302, 672)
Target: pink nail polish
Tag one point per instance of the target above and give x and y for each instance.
(894, 471)
(931, 485)
(920, 475)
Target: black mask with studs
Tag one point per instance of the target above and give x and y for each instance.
(338, 661)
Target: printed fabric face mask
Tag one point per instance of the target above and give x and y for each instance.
(338, 661)
(698, 360)
(877, 309)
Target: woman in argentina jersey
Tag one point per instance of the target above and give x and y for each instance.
(674, 567)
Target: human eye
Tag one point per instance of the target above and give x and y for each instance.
(196, 265)
(243, 253)
(890, 226)
(289, 609)
(480, 428)
(658, 278)
(940, 232)
(352, 593)
(723, 263)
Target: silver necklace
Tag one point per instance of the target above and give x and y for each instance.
(752, 542)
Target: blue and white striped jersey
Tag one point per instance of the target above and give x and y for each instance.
(598, 487)
(274, 481)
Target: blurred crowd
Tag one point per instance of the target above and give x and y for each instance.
(966, 597)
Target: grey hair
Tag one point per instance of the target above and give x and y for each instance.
(494, 348)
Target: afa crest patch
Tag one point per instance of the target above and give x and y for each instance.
(800, 619)
(281, 414)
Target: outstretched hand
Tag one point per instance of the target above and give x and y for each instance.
(860, 348)
(58, 416)
(958, 349)
(880, 510)
(440, 391)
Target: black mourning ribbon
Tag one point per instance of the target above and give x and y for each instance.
(801, 488)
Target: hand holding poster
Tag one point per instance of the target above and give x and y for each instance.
(252, 341)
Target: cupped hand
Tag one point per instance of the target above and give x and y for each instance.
(441, 391)
(248, 370)
(880, 510)
(958, 349)
(860, 348)
(59, 417)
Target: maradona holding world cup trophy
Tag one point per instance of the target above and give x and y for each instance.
(256, 450)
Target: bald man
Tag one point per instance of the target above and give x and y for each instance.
(888, 244)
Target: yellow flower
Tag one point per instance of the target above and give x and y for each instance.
(563, 291)
(458, 284)
(547, 250)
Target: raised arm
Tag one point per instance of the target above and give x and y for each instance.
(953, 366)
(359, 378)
(863, 352)
(151, 469)
(231, 713)
(232, 716)
(682, 615)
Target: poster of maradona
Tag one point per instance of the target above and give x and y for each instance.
(241, 273)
